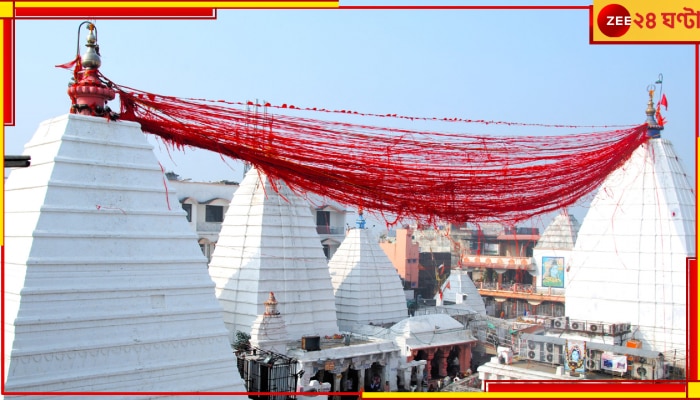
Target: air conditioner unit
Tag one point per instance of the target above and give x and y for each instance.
(552, 353)
(593, 364)
(617, 329)
(592, 360)
(533, 351)
(577, 325)
(559, 323)
(595, 328)
(642, 371)
(673, 372)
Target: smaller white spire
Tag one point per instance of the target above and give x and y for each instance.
(367, 286)
(269, 331)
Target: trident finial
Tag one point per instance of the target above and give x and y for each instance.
(653, 127)
(91, 59)
(360, 219)
(90, 95)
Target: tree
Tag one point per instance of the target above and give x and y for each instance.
(242, 342)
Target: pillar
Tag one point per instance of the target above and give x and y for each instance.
(419, 376)
(407, 378)
(361, 379)
(443, 362)
(337, 380)
(465, 357)
(429, 363)
(306, 378)
(386, 378)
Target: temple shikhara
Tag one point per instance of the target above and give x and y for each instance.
(134, 309)
(233, 288)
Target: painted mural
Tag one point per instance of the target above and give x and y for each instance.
(553, 272)
(575, 355)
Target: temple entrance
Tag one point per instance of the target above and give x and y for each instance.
(435, 365)
(453, 366)
(350, 383)
(373, 378)
(422, 355)
(325, 376)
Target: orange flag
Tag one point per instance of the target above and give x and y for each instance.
(659, 119)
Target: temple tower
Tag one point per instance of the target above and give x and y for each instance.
(268, 243)
(105, 286)
(367, 286)
(629, 261)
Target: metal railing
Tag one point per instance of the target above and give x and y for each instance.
(520, 288)
(266, 371)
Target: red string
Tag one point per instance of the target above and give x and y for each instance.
(408, 173)
(165, 185)
(407, 117)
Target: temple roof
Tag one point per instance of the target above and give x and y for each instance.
(560, 234)
(430, 330)
(106, 287)
(268, 243)
(630, 255)
(367, 287)
(458, 285)
(425, 323)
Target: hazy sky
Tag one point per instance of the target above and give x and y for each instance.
(522, 66)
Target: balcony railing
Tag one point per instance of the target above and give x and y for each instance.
(208, 226)
(498, 262)
(330, 230)
(519, 288)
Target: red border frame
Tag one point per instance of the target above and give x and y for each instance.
(210, 13)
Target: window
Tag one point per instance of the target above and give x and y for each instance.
(214, 214)
(491, 249)
(188, 210)
(323, 218)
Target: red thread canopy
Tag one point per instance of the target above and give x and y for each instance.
(423, 175)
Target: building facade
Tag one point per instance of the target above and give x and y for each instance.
(206, 203)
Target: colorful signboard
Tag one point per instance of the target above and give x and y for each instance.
(553, 272)
(613, 362)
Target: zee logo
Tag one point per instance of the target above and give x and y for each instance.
(614, 20)
(618, 20)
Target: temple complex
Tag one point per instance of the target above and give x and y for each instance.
(107, 288)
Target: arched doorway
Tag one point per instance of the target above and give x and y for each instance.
(373, 378)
